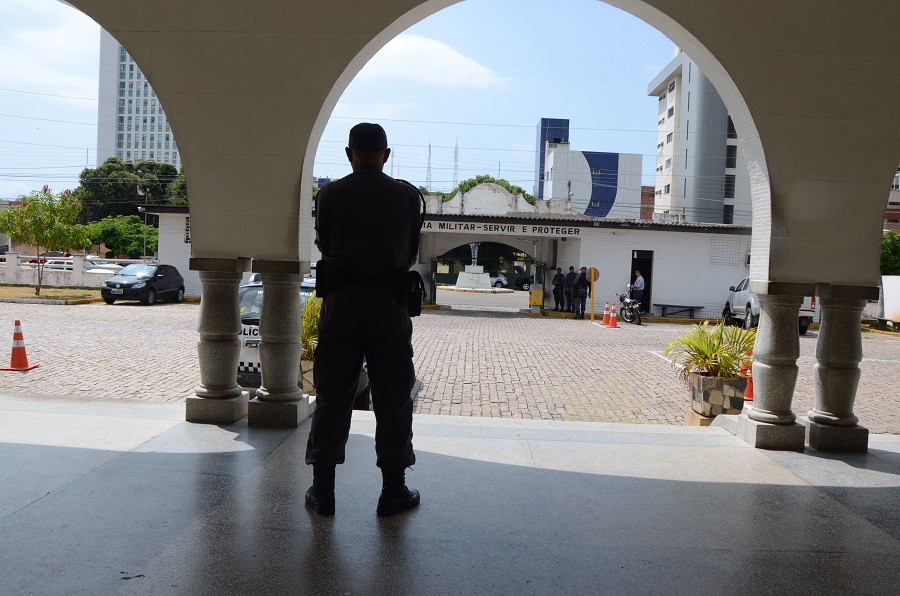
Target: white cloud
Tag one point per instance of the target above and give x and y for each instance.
(48, 47)
(424, 60)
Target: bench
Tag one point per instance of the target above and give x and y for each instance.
(675, 309)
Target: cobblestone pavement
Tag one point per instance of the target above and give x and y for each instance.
(469, 362)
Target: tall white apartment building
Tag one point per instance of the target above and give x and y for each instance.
(131, 123)
(701, 175)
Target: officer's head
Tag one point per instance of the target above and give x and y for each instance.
(367, 145)
(559, 269)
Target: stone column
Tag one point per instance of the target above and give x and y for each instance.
(770, 423)
(279, 402)
(832, 425)
(219, 398)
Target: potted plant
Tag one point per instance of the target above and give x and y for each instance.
(709, 359)
(309, 341)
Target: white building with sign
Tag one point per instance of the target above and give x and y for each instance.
(682, 263)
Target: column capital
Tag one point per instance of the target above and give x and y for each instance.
(282, 267)
(847, 292)
(239, 265)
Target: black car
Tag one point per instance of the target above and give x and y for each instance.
(525, 283)
(146, 283)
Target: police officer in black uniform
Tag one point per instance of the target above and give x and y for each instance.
(367, 228)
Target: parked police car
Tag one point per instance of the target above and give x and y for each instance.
(249, 372)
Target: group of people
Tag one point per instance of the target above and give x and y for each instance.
(571, 291)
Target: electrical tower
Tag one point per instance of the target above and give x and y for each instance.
(456, 163)
(428, 171)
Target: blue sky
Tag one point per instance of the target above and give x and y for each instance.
(479, 74)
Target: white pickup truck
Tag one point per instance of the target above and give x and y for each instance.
(743, 305)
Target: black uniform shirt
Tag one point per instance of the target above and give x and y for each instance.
(368, 222)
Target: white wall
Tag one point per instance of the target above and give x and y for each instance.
(173, 250)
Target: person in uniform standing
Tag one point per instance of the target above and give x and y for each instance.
(559, 280)
(367, 228)
(571, 276)
(582, 291)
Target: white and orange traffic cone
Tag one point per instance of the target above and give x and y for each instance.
(19, 359)
(605, 320)
(613, 315)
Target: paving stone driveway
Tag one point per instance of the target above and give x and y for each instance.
(469, 362)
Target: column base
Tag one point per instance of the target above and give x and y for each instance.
(838, 439)
(285, 414)
(779, 437)
(216, 411)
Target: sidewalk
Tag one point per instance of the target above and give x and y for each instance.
(125, 497)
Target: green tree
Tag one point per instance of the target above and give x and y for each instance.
(467, 185)
(176, 192)
(890, 253)
(125, 235)
(112, 188)
(47, 222)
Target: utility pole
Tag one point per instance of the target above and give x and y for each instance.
(428, 171)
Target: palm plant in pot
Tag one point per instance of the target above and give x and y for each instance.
(309, 341)
(709, 358)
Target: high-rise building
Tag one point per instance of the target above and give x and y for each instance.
(701, 175)
(131, 123)
(553, 131)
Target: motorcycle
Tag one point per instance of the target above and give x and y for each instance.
(630, 309)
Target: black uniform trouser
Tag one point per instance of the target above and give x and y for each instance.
(570, 300)
(639, 295)
(354, 322)
(558, 296)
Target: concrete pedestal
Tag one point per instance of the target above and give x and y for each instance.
(762, 435)
(279, 414)
(838, 439)
(216, 411)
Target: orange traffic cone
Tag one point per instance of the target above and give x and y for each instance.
(605, 320)
(745, 372)
(613, 315)
(18, 360)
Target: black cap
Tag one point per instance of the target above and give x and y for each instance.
(366, 137)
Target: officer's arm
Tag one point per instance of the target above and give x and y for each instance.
(415, 206)
(322, 207)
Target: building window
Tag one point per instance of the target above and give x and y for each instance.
(728, 214)
(669, 137)
(671, 112)
(122, 88)
(731, 156)
(128, 155)
(187, 230)
(130, 106)
(121, 122)
(669, 163)
(595, 170)
(732, 133)
(662, 97)
(143, 155)
(131, 71)
(689, 101)
(119, 155)
(668, 188)
(729, 186)
(671, 86)
(121, 71)
(120, 141)
(123, 55)
(129, 139)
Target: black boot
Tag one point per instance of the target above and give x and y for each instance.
(320, 495)
(395, 496)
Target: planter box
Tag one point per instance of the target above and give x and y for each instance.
(306, 377)
(711, 396)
